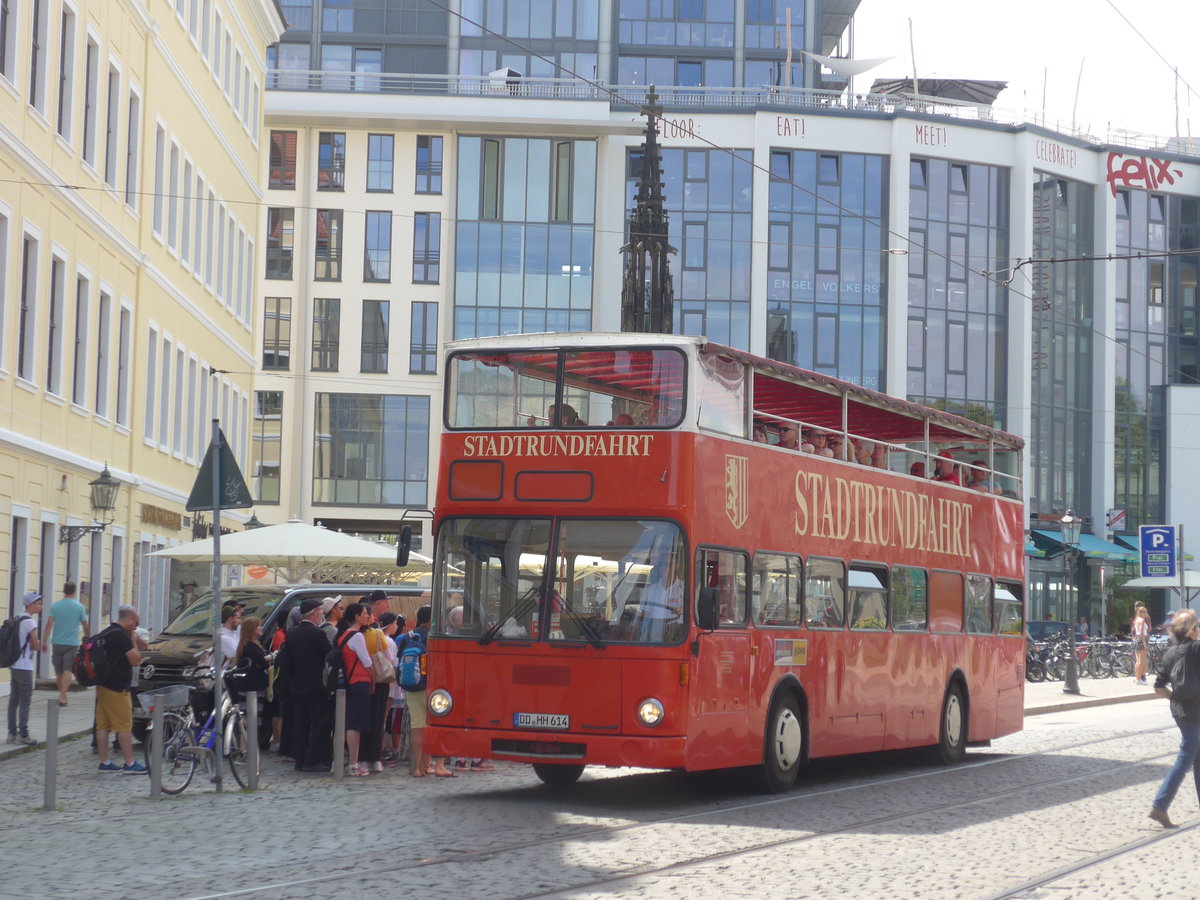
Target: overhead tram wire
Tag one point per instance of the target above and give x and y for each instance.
(913, 245)
(1155, 50)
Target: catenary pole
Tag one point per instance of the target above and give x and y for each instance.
(217, 655)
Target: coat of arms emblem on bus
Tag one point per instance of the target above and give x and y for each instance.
(736, 469)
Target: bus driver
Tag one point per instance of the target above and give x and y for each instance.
(661, 605)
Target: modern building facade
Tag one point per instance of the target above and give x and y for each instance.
(439, 175)
(129, 244)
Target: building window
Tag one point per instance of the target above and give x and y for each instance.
(328, 251)
(91, 79)
(111, 139)
(337, 16)
(66, 72)
(27, 311)
(37, 58)
(490, 179)
(371, 449)
(427, 242)
(7, 36)
(123, 351)
(423, 339)
(381, 149)
(377, 261)
(79, 347)
(151, 383)
(54, 322)
(375, 317)
(327, 323)
(281, 228)
(266, 446)
(173, 197)
(103, 327)
(283, 160)
(277, 333)
(331, 161)
(429, 164)
(160, 151)
(134, 129)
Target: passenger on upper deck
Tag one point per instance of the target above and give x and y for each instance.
(879, 456)
(917, 469)
(944, 470)
(622, 420)
(760, 434)
(976, 478)
(789, 436)
(820, 443)
(570, 418)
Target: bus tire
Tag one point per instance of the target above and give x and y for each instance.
(783, 745)
(557, 774)
(952, 733)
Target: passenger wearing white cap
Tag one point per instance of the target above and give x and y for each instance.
(21, 690)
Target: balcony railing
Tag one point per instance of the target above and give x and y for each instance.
(715, 99)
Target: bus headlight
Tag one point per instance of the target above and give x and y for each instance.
(650, 712)
(440, 702)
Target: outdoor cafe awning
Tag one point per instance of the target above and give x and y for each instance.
(1091, 546)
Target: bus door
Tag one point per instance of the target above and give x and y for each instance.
(721, 686)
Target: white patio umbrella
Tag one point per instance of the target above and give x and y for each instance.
(295, 550)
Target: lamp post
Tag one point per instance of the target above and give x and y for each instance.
(252, 523)
(104, 505)
(1072, 525)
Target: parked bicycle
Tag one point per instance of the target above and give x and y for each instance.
(188, 745)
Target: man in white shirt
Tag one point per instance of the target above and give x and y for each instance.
(21, 689)
(231, 620)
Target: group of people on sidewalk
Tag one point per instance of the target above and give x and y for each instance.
(62, 636)
(369, 639)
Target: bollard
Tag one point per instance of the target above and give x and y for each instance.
(339, 733)
(156, 750)
(252, 738)
(50, 778)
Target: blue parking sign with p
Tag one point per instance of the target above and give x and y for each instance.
(1157, 545)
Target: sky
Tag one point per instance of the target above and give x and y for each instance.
(1040, 45)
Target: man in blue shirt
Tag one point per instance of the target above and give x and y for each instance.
(64, 627)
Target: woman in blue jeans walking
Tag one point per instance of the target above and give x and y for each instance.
(1186, 711)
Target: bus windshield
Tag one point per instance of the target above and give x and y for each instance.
(605, 388)
(573, 580)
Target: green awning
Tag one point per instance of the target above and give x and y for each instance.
(1131, 541)
(1091, 546)
(1031, 550)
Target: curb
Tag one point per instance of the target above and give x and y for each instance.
(1083, 704)
(9, 753)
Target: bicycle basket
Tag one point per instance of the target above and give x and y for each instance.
(172, 697)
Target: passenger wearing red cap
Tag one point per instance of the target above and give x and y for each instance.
(944, 470)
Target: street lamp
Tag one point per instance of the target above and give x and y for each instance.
(1072, 525)
(251, 523)
(104, 504)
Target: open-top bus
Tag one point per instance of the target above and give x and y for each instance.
(633, 567)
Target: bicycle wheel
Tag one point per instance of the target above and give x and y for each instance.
(237, 747)
(178, 762)
(1035, 670)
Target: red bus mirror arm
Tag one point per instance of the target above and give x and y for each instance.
(403, 547)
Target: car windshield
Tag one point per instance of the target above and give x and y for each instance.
(198, 618)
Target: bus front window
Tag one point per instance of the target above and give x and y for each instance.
(492, 576)
(618, 580)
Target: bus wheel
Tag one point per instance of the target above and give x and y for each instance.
(952, 741)
(557, 774)
(784, 745)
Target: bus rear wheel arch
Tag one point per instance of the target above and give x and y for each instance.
(784, 741)
(557, 774)
(953, 725)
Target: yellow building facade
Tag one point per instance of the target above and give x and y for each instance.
(130, 203)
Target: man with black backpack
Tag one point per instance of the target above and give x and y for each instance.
(114, 705)
(21, 668)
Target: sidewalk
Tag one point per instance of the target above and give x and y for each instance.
(75, 719)
(1048, 696)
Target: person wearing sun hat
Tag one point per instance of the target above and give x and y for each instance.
(944, 469)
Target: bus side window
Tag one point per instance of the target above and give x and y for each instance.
(726, 570)
(910, 599)
(979, 604)
(825, 593)
(777, 590)
(1009, 609)
(868, 598)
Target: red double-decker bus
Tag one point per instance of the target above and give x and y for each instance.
(656, 551)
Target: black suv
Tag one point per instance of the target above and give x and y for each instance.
(173, 655)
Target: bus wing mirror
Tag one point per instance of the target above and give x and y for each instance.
(403, 546)
(706, 609)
